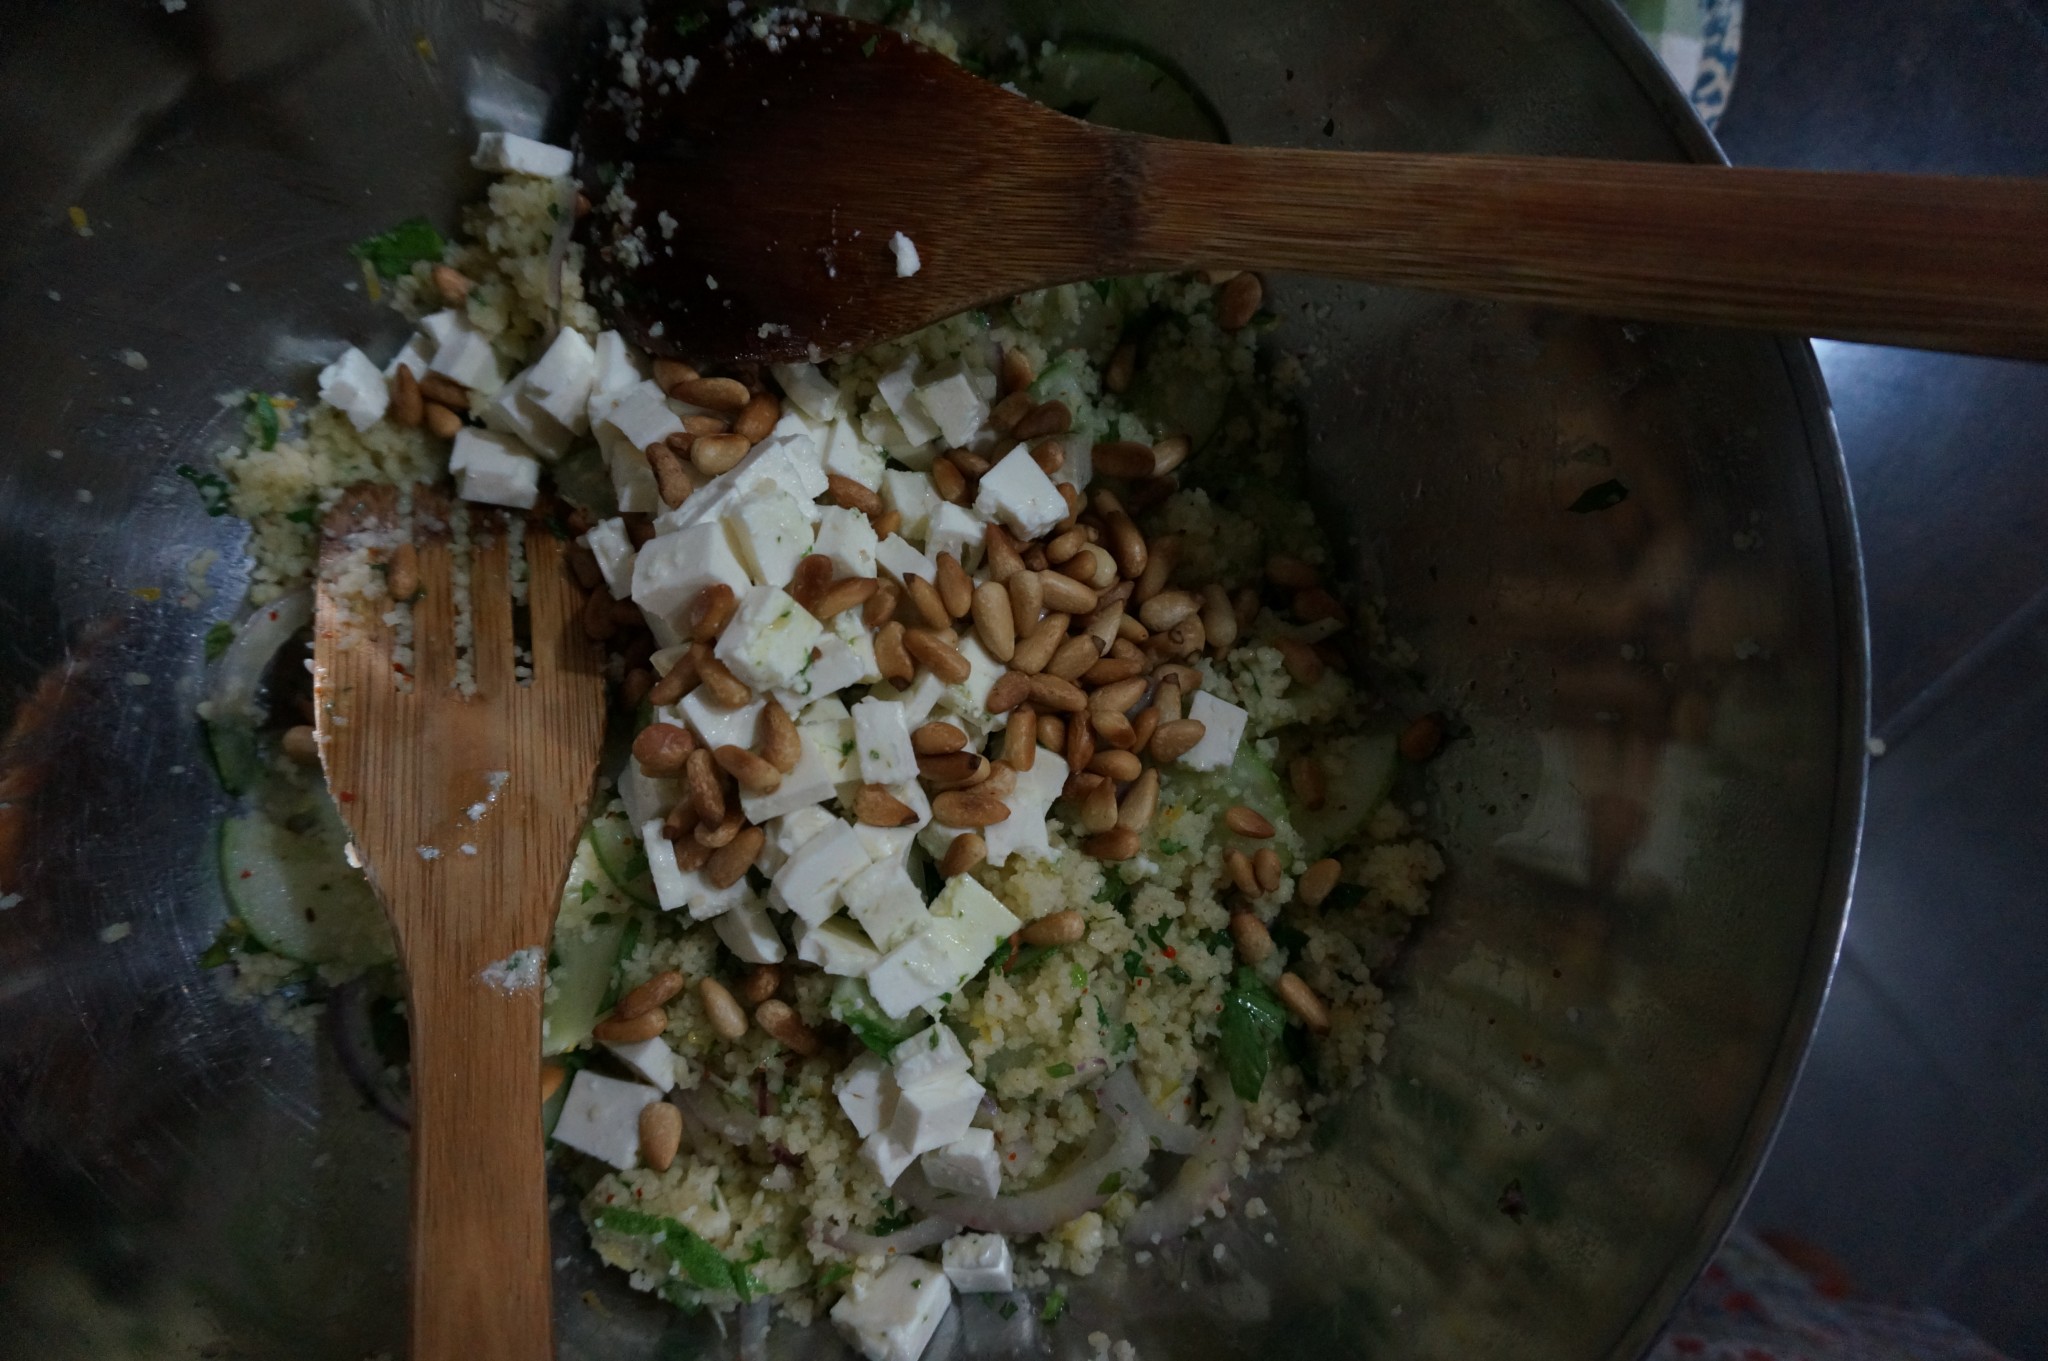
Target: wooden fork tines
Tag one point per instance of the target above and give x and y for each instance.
(464, 800)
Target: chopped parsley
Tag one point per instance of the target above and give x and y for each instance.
(867, 49)
(212, 488)
(304, 515)
(1179, 975)
(1134, 965)
(1253, 1018)
(233, 939)
(1168, 846)
(1114, 890)
(894, 1217)
(1079, 976)
(395, 252)
(1009, 1309)
(1110, 1184)
(588, 891)
(1060, 1070)
(703, 1264)
(1290, 938)
(1055, 1305)
(1604, 496)
(263, 419)
(218, 638)
(835, 1273)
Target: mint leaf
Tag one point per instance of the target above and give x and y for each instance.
(1055, 1305)
(1060, 1070)
(263, 419)
(395, 252)
(838, 1271)
(1110, 1184)
(1252, 1020)
(218, 640)
(856, 1007)
(212, 488)
(706, 1267)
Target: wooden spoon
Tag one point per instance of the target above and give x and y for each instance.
(465, 809)
(765, 193)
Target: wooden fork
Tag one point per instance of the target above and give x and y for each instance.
(465, 808)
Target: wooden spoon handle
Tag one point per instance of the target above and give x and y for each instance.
(1937, 262)
(480, 1269)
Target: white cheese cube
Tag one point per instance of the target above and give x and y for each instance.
(896, 557)
(355, 387)
(935, 1113)
(614, 551)
(442, 326)
(893, 1315)
(707, 902)
(632, 479)
(1024, 831)
(513, 412)
(507, 153)
(671, 885)
(651, 1059)
(640, 415)
(967, 700)
(866, 1092)
(912, 974)
(749, 932)
(646, 796)
(769, 639)
(832, 739)
(930, 1054)
(898, 388)
(861, 643)
(833, 667)
(837, 946)
(968, 1167)
(978, 915)
(793, 421)
(1222, 727)
(466, 357)
(494, 469)
(850, 456)
(924, 692)
(882, 742)
(826, 709)
(810, 783)
(790, 460)
(561, 380)
(672, 568)
(891, 845)
(884, 901)
(956, 530)
(1017, 492)
(808, 389)
(618, 365)
(809, 883)
(792, 830)
(416, 354)
(977, 1263)
(955, 406)
(967, 923)
(877, 426)
(771, 533)
(601, 1117)
(848, 538)
(889, 1158)
(911, 495)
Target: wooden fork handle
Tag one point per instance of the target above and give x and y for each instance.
(480, 1270)
(1928, 261)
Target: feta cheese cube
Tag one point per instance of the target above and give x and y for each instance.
(416, 354)
(977, 1263)
(898, 389)
(877, 426)
(848, 538)
(911, 495)
(967, 923)
(771, 533)
(882, 742)
(810, 783)
(1017, 492)
(967, 700)
(633, 481)
(614, 551)
(860, 643)
(792, 830)
(934, 1113)
(1222, 727)
(809, 883)
(639, 415)
(442, 326)
(672, 568)
(707, 902)
(808, 389)
(910, 975)
(956, 530)
(837, 946)
(931, 1053)
(884, 901)
(617, 365)
(867, 1093)
(955, 406)
(749, 932)
(466, 357)
(769, 639)
(832, 739)
(1024, 831)
(968, 1167)
(889, 1158)
(651, 1059)
(507, 153)
(978, 915)
(514, 412)
(355, 387)
(494, 469)
(561, 380)
(601, 1117)
(671, 885)
(646, 796)
(833, 667)
(896, 557)
(850, 456)
(790, 460)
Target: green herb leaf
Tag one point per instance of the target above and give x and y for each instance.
(894, 1217)
(1029, 958)
(263, 418)
(229, 941)
(1156, 932)
(1605, 496)
(586, 891)
(1055, 1305)
(1179, 975)
(1078, 976)
(1110, 1184)
(304, 515)
(212, 488)
(1134, 965)
(1168, 846)
(1009, 1309)
(1114, 890)
(835, 1273)
(601, 918)
(1252, 1020)
(867, 49)
(1060, 1070)
(706, 1267)
(855, 1007)
(218, 639)
(1290, 938)
(395, 252)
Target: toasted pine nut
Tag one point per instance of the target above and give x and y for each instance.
(1016, 373)
(700, 778)
(715, 454)
(661, 1134)
(841, 596)
(1315, 604)
(711, 610)
(680, 680)
(1047, 418)
(633, 687)
(936, 739)
(844, 491)
(1061, 548)
(1052, 732)
(1254, 942)
(780, 743)
(942, 659)
(1062, 696)
(993, 623)
(1123, 458)
(948, 481)
(1098, 807)
(755, 774)
(1027, 600)
(441, 421)
(436, 387)
(1092, 566)
(886, 523)
(1005, 414)
(670, 374)
(780, 1020)
(692, 854)
(1037, 647)
(1311, 789)
(552, 1075)
(1292, 573)
(1176, 738)
(1422, 738)
(728, 689)
(1111, 669)
(729, 863)
(728, 1022)
(1114, 729)
(1168, 454)
(1123, 366)
(762, 982)
(1219, 620)
(1121, 766)
(1237, 302)
(1011, 689)
(1266, 865)
(301, 744)
(632, 1029)
(671, 478)
(720, 834)
(1118, 843)
(963, 853)
(408, 408)
(1127, 545)
(881, 606)
(1065, 927)
(1118, 697)
(727, 395)
(1143, 727)
(451, 284)
(1050, 455)
(657, 991)
(1301, 999)
(1080, 744)
(925, 599)
(402, 576)
(1141, 800)
(875, 806)
(1020, 738)
(702, 423)
(1073, 658)
(1317, 881)
(999, 553)
(968, 808)
(1300, 659)
(954, 769)
(1247, 822)
(757, 417)
(598, 624)
(662, 749)
(1066, 595)
(1168, 608)
(681, 821)
(1238, 866)
(1130, 632)
(956, 591)
(892, 659)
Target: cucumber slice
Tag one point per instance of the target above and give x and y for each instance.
(584, 953)
(231, 746)
(297, 894)
(1247, 780)
(1118, 85)
(616, 845)
(1359, 770)
(853, 1004)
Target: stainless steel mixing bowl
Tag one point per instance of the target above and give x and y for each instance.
(1652, 814)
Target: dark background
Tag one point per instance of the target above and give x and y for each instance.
(1913, 1151)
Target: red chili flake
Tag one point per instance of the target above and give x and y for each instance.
(1170, 952)
(248, 874)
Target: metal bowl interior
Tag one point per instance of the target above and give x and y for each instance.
(1652, 812)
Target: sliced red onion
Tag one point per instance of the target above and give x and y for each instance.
(1121, 1090)
(926, 1233)
(1120, 1145)
(240, 671)
(722, 1118)
(1200, 1180)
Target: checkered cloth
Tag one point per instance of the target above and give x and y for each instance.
(1697, 40)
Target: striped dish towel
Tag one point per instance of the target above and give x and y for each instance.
(1697, 40)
